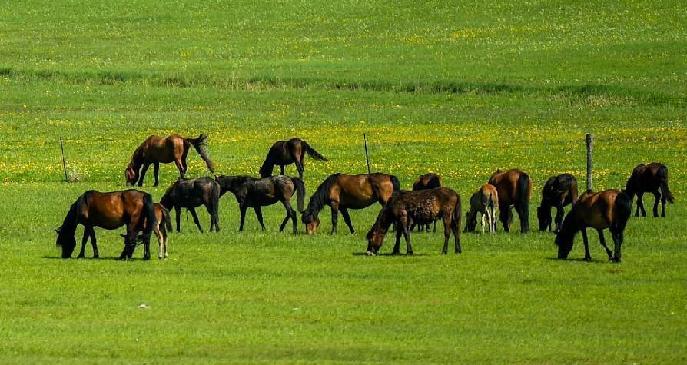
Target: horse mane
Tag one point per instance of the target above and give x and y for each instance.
(569, 229)
(321, 196)
(267, 166)
(66, 232)
(137, 157)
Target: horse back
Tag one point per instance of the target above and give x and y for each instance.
(111, 210)
(596, 210)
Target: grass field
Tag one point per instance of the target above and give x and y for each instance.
(458, 88)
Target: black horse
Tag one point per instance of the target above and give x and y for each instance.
(558, 192)
(284, 153)
(650, 178)
(109, 210)
(193, 193)
(258, 193)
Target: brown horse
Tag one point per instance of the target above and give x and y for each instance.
(427, 181)
(342, 192)
(258, 193)
(514, 188)
(607, 209)
(284, 153)
(650, 178)
(192, 193)
(161, 228)
(558, 192)
(110, 210)
(421, 207)
(484, 201)
(155, 150)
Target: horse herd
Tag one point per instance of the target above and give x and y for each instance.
(403, 211)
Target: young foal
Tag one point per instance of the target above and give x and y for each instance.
(258, 193)
(193, 193)
(484, 201)
(155, 150)
(284, 153)
(110, 211)
(342, 192)
(607, 209)
(161, 227)
(650, 178)
(427, 181)
(421, 207)
(514, 189)
(558, 192)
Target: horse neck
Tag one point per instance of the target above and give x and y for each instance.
(70, 220)
(319, 198)
(267, 166)
(136, 158)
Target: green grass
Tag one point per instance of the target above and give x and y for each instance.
(456, 88)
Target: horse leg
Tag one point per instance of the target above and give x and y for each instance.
(243, 208)
(214, 216)
(585, 240)
(640, 206)
(504, 215)
(177, 210)
(484, 221)
(335, 217)
(161, 248)
(180, 167)
(618, 240)
(258, 214)
(602, 240)
(291, 213)
(84, 240)
(281, 169)
(406, 233)
(144, 169)
(93, 243)
(347, 219)
(559, 218)
(156, 173)
(657, 197)
(129, 243)
(195, 218)
(300, 168)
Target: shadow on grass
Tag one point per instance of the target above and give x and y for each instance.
(389, 254)
(580, 259)
(114, 258)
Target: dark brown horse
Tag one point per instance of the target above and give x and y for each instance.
(342, 192)
(162, 227)
(155, 150)
(258, 193)
(514, 188)
(420, 207)
(607, 209)
(427, 181)
(650, 178)
(558, 192)
(192, 193)
(284, 153)
(110, 210)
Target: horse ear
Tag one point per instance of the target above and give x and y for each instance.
(57, 230)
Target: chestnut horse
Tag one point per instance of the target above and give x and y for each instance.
(155, 150)
(420, 207)
(342, 192)
(427, 181)
(558, 192)
(284, 153)
(514, 188)
(161, 228)
(109, 210)
(484, 201)
(607, 209)
(650, 178)
(258, 193)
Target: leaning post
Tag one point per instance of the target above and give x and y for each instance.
(64, 162)
(590, 143)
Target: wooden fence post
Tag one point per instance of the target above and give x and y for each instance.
(590, 144)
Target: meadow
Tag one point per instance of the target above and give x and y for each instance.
(457, 88)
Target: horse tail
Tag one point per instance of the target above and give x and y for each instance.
(200, 144)
(149, 214)
(663, 176)
(573, 191)
(622, 210)
(300, 192)
(166, 219)
(523, 200)
(395, 183)
(457, 214)
(311, 151)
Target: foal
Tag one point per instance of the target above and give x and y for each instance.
(486, 202)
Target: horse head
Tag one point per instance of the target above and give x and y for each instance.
(131, 175)
(544, 217)
(66, 241)
(311, 222)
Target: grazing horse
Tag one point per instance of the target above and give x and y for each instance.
(607, 209)
(161, 228)
(558, 192)
(484, 201)
(427, 181)
(109, 210)
(650, 178)
(421, 207)
(258, 193)
(284, 153)
(514, 188)
(155, 150)
(192, 193)
(342, 192)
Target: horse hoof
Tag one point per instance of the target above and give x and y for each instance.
(587, 259)
(410, 253)
(370, 253)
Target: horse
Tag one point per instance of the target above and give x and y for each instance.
(650, 178)
(109, 210)
(558, 192)
(342, 192)
(514, 188)
(258, 193)
(155, 150)
(284, 153)
(192, 193)
(607, 209)
(421, 207)
(484, 201)
(427, 181)
(161, 228)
